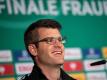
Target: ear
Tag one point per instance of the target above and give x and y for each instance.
(32, 49)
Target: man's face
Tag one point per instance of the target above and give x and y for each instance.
(50, 54)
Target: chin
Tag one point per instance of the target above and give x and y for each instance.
(61, 63)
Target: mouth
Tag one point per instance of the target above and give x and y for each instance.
(57, 52)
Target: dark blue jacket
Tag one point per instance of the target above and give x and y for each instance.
(37, 74)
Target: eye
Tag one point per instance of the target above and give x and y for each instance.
(50, 39)
(60, 39)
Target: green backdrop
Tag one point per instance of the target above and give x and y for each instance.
(84, 24)
(82, 30)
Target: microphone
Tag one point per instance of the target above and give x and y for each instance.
(98, 63)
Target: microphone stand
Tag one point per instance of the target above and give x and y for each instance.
(98, 63)
(102, 62)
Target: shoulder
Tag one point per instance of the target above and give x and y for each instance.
(65, 76)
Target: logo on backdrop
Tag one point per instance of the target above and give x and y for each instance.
(5, 56)
(21, 55)
(96, 76)
(23, 68)
(71, 66)
(8, 78)
(78, 76)
(73, 54)
(92, 53)
(104, 51)
(6, 69)
(88, 67)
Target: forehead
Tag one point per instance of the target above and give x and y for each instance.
(48, 32)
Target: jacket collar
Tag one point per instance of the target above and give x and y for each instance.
(37, 74)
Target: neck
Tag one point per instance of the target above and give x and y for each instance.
(51, 72)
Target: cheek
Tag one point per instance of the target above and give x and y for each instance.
(62, 47)
(44, 53)
(43, 49)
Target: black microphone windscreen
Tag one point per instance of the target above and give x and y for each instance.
(98, 63)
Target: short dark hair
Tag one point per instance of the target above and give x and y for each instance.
(30, 37)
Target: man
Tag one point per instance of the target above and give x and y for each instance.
(44, 43)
